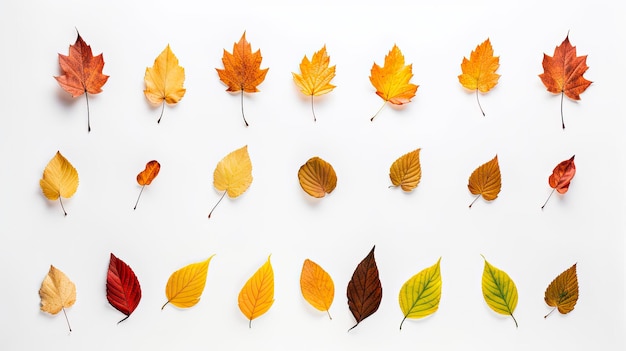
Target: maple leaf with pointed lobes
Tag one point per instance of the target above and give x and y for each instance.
(563, 73)
(242, 70)
(82, 72)
(315, 76)
(164, 80)
(479, 72)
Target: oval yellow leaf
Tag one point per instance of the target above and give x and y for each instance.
(317, 177)
(57, 292)
(233, 173)
(499, 290)
(419, 296)
(60, 179)
(185, 286)
(486, 181)
(406, 171)
(257, 295)
(317, 286)
(562, 293)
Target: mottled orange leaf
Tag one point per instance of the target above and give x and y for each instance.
(315, 76)
(257, 295)
(392, 80)
(562, 293)
(164, 80)
(406, 171)
(486, 181)
(317, 177)
(563, 73)
(317, 286)
(479, 72)
(146, 176)
(561, 177)
(242, 70)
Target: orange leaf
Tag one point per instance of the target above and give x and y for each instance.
(561, 177)
(146, 176)
(486, 181)
(257, 295)
(317, 286)
(317, 177)
(316, 76)
(392, 80)
(242, 69)
(563, 73)
(562, 293)
(479, 72)
(406, 171)
(82, 72)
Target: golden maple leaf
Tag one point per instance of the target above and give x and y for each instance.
(479, 72)
(392, 80)
(60, 179)
(315, 76)
(164, 80)
(486, 181)
(233, 174)
(57, 293)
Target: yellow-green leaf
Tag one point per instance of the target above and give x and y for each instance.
(406, 171)
(185, 286)
(60, 179)
(419, 296)
(317, 286)
(499, 290)
(257, 295)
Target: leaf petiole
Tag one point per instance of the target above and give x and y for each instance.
(477, 100)
(88, 122)
(62, 207)
(162, 110)
(218, 202)
(242, 114)
(470, 206)
(549, 313)
(66, 319)
(376, 114)
(549, 196)
(138, 197)
(562, 122)
(313, 110)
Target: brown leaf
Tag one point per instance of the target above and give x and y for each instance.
(365, 291)
(317, 177)
(406, 171)
(486, 181)
(562, 293)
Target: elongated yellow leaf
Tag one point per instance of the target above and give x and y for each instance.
(57, 293)
(419, 296)
(317, 286)
(257, 295)
(233, 174)
(406, 171)
(164, 80)
(60, 179)
(499, 290)
(185, 286)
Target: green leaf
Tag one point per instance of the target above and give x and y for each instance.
(499, 290)
(419, 296)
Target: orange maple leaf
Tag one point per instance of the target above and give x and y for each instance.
(392, 80)
(242, 70)
(315, 76)
(479, 72)
(563, 73)
(82, 72)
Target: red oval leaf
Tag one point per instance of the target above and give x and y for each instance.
(364, 289)
(562, 175)
(123, 290)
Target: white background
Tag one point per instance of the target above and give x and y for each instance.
(170, 228)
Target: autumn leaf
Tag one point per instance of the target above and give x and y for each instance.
(317, 286)
(146, 177)
(315, 76)
(392, 80)
(257, 295)
(82, 72)
(57, 293)
(562, 293)
(499, 290)
(233, 174)
(365, 291)
(242, 70)
(561, 177)
(123, 289)
(419, 296)
(60, 179)
(317, 177)
(486, 181)
(563, 73)
(185, 286)
(164, 80)
(406, 171)
(479, 72)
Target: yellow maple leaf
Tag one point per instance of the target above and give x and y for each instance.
(257, 295)
(315, 76)
(60, 179)
(486, 181)
(479, 72)
(57, 293)
(164, 80)
(317, 286)
(233, 174)
(392, 80)
(406, 171)
(185, 286)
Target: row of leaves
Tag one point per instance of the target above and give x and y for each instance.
(82, 74)
(233, 176)
(419, 296)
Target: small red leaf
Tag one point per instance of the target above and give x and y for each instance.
(123, 290)
(561, 177)
(365, 291)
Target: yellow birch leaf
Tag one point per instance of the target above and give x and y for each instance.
(479, 72)
(486, 181)
(562, 293)
(499, 290)
(60, 179)
(315, 76)
(406, 171)
(57, 293)
(257, 295)
(317, 177)
(419, 297)
(233, 174)
(164, 80)
(317, 286)
(185, 286)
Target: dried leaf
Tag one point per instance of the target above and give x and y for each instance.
(57, 293)
(563, 73)
(365, 291)
(317, 286)
(317, 177)
(123, 289)
(60, 179)
(486, 181)
(164, 80)
(561, 177)
(242, 70)
(82, 72)
(257, 295)
(499, 290)
(392, 80)
(233, 174)
(185, 286)
(479, 72)
(315, 76)
(146, 177)
(562, 293)
(419, 296)
(406, 171)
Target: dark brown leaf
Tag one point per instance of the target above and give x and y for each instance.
(364, 289)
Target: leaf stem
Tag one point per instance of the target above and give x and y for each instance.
(331, 318)
(138, 197)
(372, 120)
(66, 319)
(403, 319)
(165, 304)
(354, 326)
(562, 122)
(514, 320)
(313, 110)
(242, 114)
(470, 206)
(123, 319)
(477, 100)
(549, 196)
(549, 313)
(162, 109)
(218, 202)
(62, 207)
(88, 122)
(250, 324)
